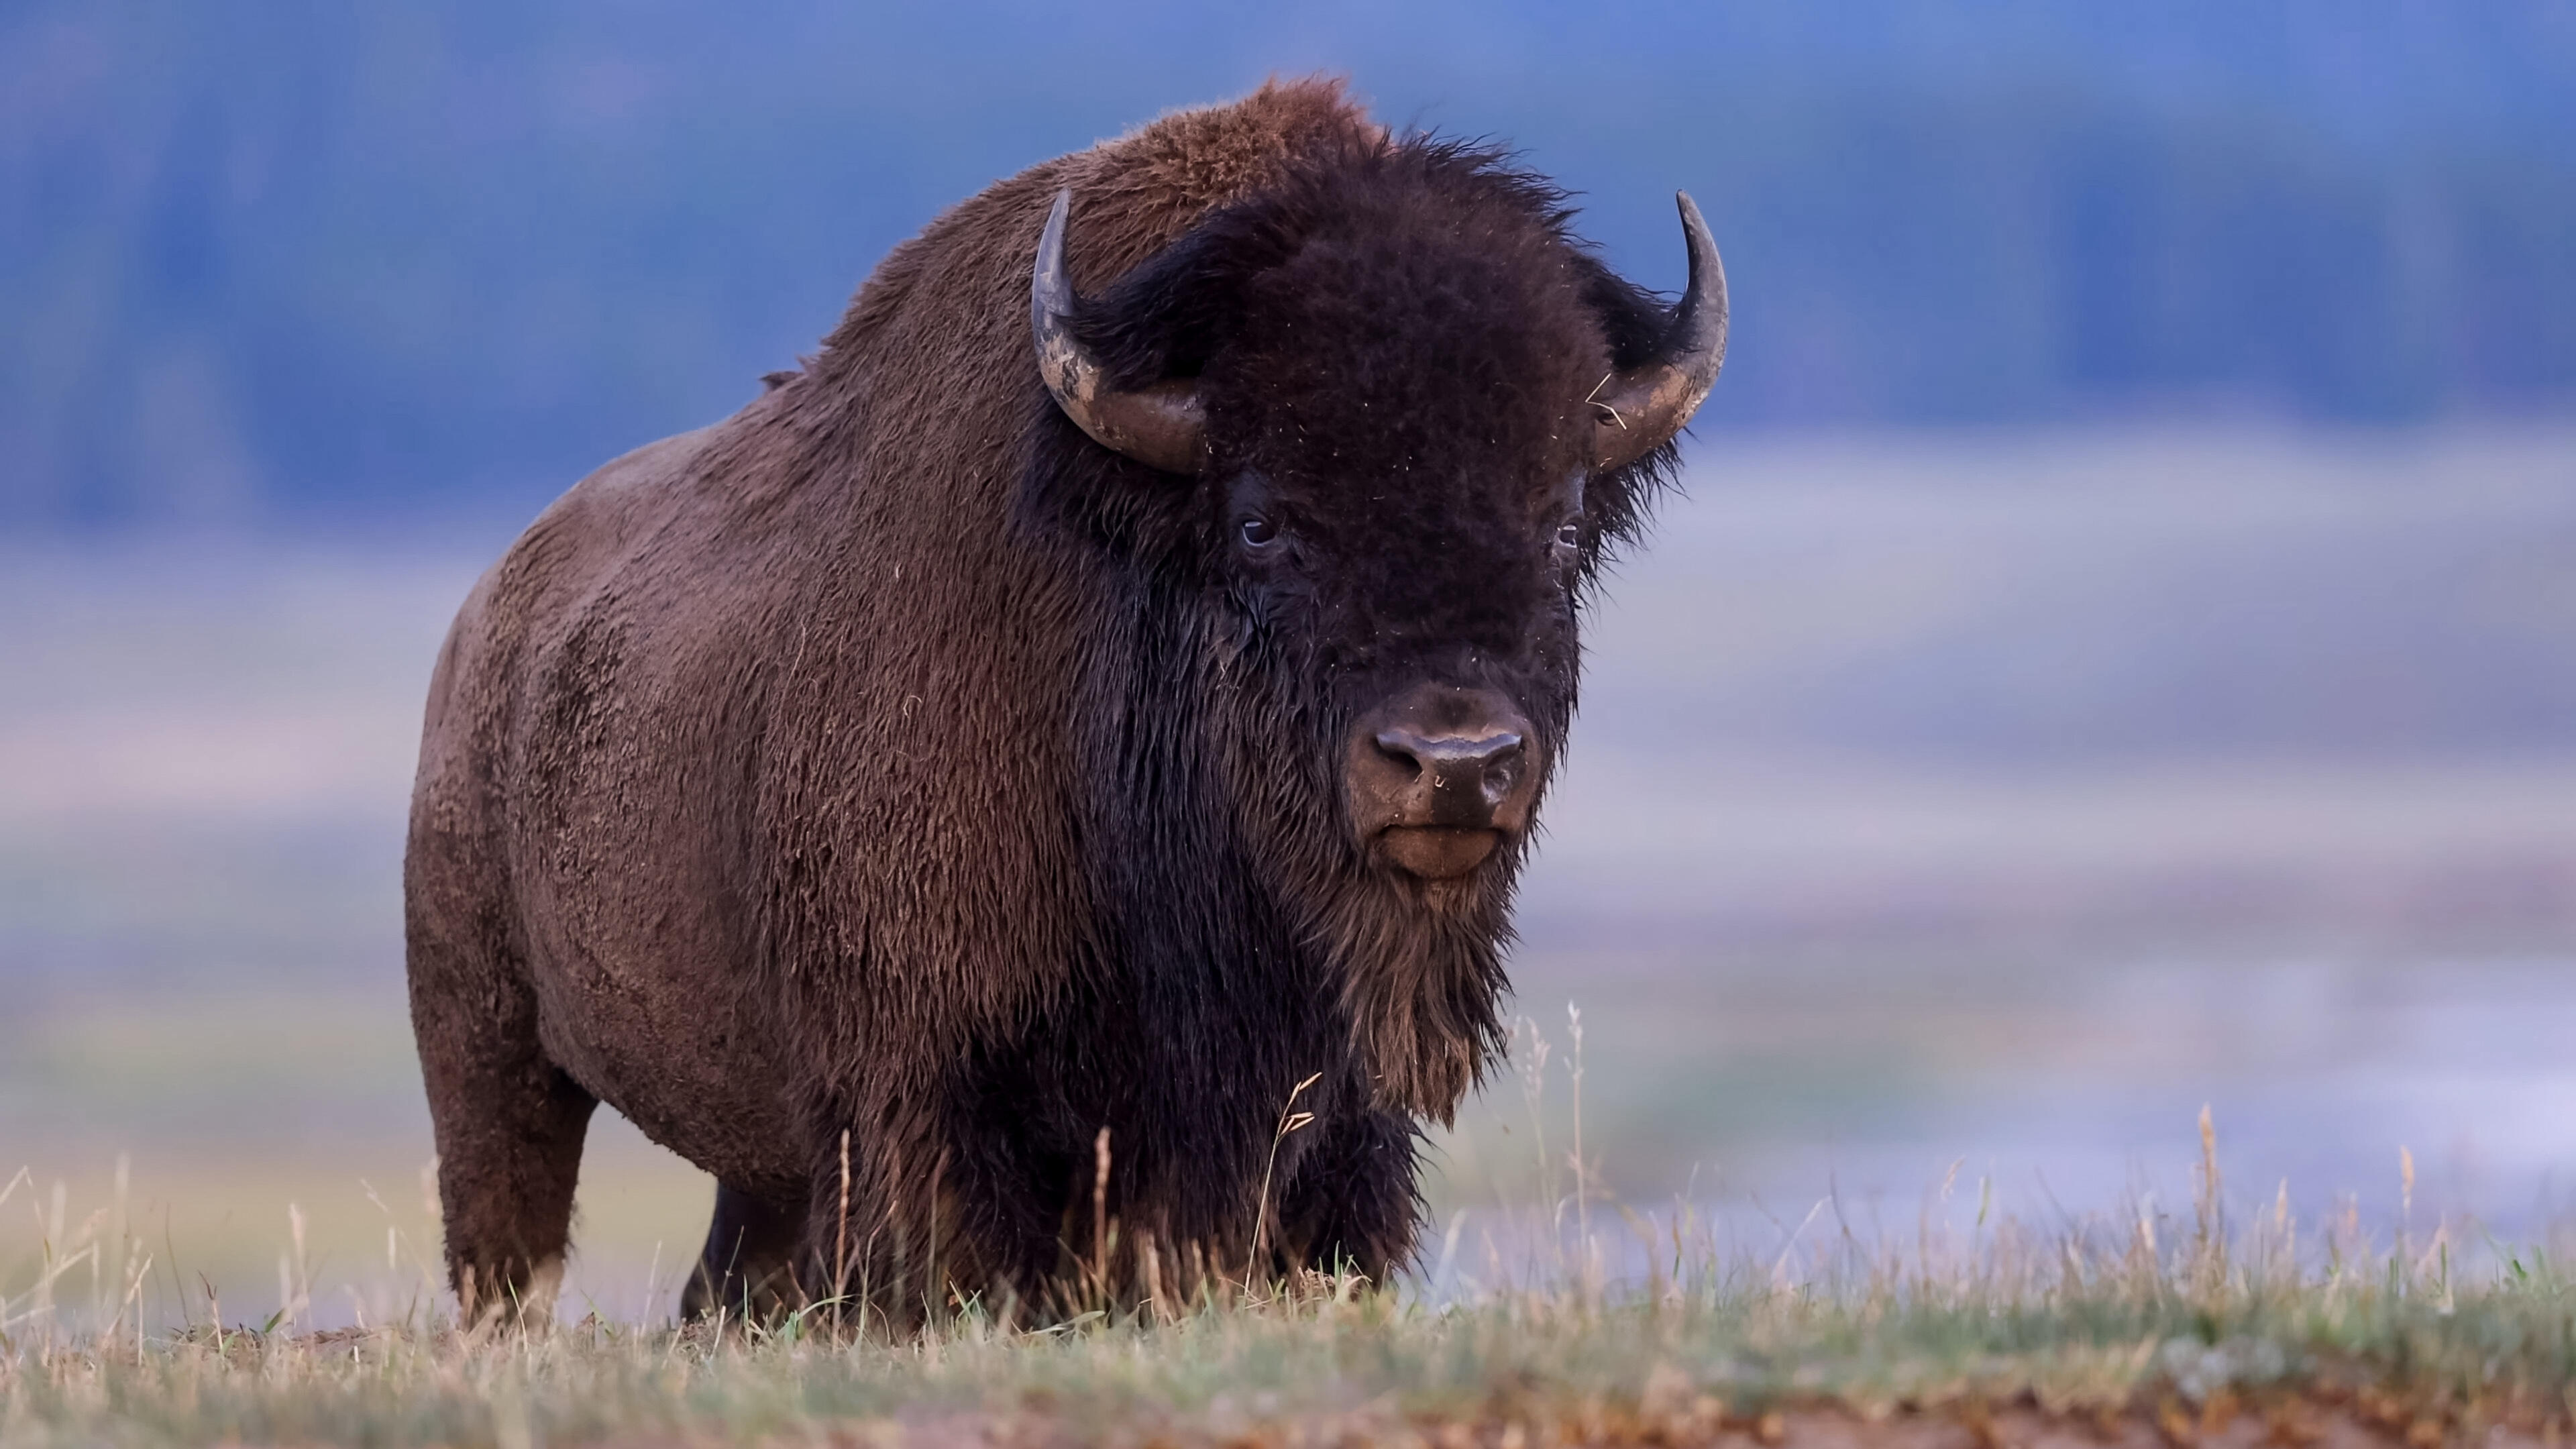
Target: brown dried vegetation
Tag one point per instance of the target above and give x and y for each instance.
(2136, 1332)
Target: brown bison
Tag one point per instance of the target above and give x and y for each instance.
(958, 799)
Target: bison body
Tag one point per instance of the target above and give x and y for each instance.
(978, 783)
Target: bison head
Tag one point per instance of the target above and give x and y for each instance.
(1375, 425)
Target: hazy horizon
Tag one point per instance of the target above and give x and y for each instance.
(308, 264)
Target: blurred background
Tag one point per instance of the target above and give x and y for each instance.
(2122, 617)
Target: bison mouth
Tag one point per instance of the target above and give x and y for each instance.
(1438, 852)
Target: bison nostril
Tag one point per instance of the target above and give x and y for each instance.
(1401, 749)
(1488, 753)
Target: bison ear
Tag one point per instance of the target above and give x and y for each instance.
(1161, 425)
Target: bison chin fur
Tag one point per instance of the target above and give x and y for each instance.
(1418, 964)
(1422, 984)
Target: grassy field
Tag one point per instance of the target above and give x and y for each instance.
(1564, 1318)
(1626, 1328)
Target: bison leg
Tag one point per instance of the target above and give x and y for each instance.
(509, 1149)
(508, 1123)
(921, 1215)
(1352, 1203)
(748, 1267)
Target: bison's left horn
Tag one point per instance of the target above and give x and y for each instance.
(1640, 409)
(1161, 426)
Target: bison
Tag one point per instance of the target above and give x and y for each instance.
(1098, 705)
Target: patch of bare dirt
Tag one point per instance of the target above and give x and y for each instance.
(2291, 1422)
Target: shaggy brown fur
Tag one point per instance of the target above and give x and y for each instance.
(890, 776)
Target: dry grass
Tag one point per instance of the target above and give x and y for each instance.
(2051, 1329)
(2144, 1328)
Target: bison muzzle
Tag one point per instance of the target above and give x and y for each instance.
(959, 800)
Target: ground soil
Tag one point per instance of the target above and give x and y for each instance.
(2343, 1422)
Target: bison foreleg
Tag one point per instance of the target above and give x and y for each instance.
(1352, 1203)
(916, 1219)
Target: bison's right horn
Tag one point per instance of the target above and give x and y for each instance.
(1643, 407)
(1161, 426)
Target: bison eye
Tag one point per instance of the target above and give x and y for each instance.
(1257, 532)
(1569, 537)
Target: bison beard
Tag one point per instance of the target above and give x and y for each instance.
(961, 837)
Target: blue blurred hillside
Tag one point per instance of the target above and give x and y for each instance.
(360, 266)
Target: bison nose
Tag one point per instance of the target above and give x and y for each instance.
(1466, 775)
(1440, 777)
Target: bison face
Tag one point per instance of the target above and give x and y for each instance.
(1381, 420)
(1428, 622)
